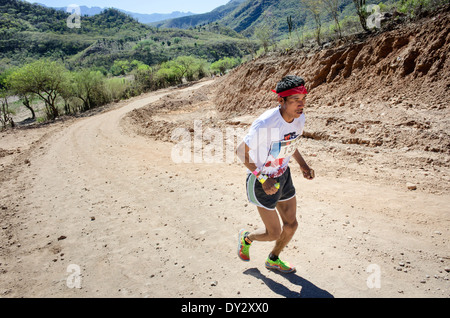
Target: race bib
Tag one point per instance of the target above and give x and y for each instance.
(283, 149)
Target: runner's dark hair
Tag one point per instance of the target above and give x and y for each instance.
(289, 82)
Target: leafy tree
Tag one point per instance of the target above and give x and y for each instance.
(222, 65)
(120, 67)
(144, 77)
(25, 96)
(138, 65)
(4, 78)
(89, 87)
(44, 78)
(167, 75)
(116, 88)
(183, 67)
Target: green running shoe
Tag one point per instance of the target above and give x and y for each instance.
(243, 248)
(279, 265)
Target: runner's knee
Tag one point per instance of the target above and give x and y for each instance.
(273, 234)
(291, 226)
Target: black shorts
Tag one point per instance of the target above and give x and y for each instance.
(258, 197)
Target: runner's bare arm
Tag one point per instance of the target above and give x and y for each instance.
(308, 173)
(243, 154)
(270, 186)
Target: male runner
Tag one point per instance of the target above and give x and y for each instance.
(266, 150)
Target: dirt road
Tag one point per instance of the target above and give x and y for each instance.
(93, 206)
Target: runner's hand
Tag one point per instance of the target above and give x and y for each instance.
(308, 173)
(269, 186)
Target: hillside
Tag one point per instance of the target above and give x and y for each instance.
(246, 16)
(29, 32)
(157, 46)
(254, 13)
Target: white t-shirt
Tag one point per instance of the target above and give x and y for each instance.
(272, 141)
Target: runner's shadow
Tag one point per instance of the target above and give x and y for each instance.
(306, 288)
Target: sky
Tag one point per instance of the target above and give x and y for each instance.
(141, 6)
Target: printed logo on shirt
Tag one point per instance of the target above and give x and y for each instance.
(290, 136)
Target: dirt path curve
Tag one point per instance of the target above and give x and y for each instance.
(114, 208)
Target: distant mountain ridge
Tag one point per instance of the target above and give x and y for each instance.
(141, 17)
(198, 19)
(155, 17)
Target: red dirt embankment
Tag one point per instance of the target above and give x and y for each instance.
(391, 89)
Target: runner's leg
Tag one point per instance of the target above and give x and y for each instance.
(273, 227)
(287, 211)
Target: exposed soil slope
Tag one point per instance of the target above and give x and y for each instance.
(391, 89)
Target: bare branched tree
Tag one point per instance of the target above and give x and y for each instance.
(332, 6)
(315, 7)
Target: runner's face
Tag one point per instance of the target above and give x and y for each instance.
(293, 105)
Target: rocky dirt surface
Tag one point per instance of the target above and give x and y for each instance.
(101, 199)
